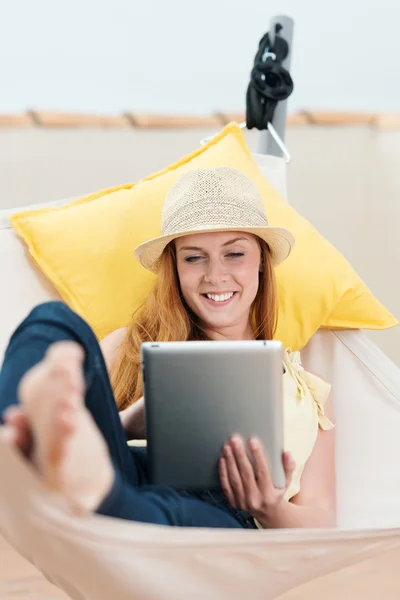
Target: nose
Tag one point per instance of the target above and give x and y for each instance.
(215, 272)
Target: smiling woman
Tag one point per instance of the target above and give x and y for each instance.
(215, 265)
(215, 280)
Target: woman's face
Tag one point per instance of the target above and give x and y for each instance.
(219, 275)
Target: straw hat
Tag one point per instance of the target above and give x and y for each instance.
(210, 200)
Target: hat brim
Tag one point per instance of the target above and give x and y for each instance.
(279, 240)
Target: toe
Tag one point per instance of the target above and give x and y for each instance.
(18, 429)
(12, 412)
(61, 351)
(64, 362)
(67, 417)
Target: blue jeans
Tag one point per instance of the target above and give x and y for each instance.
(131, 497)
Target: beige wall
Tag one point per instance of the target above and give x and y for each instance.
(345, 180)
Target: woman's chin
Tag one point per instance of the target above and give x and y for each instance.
(219, 316)
(218, 323)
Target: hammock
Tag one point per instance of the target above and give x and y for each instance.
(102, 558)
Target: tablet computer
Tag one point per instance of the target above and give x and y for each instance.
(198, 394)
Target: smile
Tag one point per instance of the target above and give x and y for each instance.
(219, 298)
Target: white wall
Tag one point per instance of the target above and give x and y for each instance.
(186, 56)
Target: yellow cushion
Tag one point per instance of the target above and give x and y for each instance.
(86, 249)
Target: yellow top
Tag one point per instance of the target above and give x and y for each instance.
(304, 397)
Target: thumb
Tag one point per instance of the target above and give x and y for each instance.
(289, 466)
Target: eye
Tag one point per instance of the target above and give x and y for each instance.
(235, 255)
(192, 259)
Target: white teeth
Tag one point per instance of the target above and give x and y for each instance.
(220, 297)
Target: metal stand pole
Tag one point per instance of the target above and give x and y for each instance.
(267, 143)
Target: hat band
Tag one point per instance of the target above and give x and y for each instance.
(213, 215)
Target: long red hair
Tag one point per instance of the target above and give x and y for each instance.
(165, 317)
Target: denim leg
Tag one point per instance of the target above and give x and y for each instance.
(53, 322)
(129, 498)
(165, 506)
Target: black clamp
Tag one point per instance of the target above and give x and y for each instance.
(269, 83)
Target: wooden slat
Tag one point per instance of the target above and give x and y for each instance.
(44, 118)
(53, 119)
(240, 117)
(229, 117)
(152, 121)
(295, 119)
(20, 580)
(22, 120)
(337, 118)
(387, 121)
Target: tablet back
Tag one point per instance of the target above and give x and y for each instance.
(198, 394)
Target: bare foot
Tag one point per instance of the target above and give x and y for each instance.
(69, 450)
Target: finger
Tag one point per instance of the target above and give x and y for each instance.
(261, 467)
(225, 484)
(234, 477)
(289, 466)
(246, 469)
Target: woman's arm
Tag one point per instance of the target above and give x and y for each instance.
(132, 418)
(110, 347)
(133, 421)
(315, 504)
(251, 488)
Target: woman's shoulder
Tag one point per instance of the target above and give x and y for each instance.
(294, 369)
(111, 344)
(307, 384)
(116, 336)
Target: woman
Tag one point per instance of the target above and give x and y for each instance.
(215, 281)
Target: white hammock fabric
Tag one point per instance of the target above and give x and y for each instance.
(102, 558)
